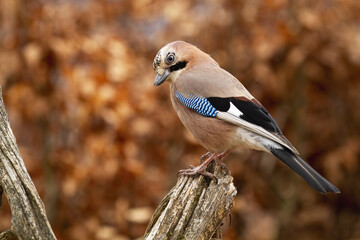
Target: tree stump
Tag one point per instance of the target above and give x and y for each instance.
(28, 219)
(194, 208)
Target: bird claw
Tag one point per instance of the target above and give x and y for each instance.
(195, 171)
(202, 168)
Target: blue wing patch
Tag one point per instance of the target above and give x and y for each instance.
(199, 105)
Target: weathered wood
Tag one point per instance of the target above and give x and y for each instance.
(28, 219)
(194, 208)
(8, 235)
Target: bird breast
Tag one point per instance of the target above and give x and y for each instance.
(213, 134)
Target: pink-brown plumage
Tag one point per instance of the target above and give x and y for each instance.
(221, 113)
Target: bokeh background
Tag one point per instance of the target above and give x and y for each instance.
(103, 145)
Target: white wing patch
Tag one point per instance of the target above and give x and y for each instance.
(234, 110)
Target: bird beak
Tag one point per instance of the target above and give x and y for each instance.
(160, 78)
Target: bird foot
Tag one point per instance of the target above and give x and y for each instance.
(196, 171)
(217, 159)
(202, 168)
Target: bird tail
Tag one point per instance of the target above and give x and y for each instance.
(312, 177)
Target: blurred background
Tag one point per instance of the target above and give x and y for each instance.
(103, 145)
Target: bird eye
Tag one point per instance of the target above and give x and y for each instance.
(170, 58)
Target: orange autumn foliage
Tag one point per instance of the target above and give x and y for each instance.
(103, 145)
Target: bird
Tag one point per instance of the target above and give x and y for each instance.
(221, 113)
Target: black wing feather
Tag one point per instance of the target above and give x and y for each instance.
(251, 112)
(312, 177)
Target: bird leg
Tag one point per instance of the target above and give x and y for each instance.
(201, 169)
(205, 156)
(219, 161)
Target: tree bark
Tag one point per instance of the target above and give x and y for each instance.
(194, 208)
(28, 219)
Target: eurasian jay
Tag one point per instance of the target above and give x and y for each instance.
(221, 113)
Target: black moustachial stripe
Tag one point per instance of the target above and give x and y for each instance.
(251, 112)
(179, 65)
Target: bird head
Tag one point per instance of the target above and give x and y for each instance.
(175, 58)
